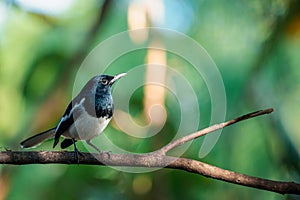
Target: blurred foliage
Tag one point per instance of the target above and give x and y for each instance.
(255, 45)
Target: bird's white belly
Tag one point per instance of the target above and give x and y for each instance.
(86, 127)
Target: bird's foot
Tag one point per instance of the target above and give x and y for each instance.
(76, 158)
(76, 152)
(108, 153)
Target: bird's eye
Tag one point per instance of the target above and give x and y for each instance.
(104, 81)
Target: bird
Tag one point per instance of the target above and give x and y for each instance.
(86, 116)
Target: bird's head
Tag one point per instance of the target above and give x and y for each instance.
(104, 82)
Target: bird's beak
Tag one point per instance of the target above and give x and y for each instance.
(116, 77)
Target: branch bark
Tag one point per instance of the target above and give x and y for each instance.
(157, 159)
(152, 160)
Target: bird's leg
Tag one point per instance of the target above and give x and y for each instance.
(75, 151)
(97, 149)
(92, 145)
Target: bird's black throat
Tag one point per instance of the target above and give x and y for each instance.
(101, 105)
(104, 106)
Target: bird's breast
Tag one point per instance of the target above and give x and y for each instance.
(86, 126)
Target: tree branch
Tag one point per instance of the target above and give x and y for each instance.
(152, 160)
(210, 129)
(157, 159)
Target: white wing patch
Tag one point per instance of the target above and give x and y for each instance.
(71, 112)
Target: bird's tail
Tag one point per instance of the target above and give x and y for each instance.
(37, 139)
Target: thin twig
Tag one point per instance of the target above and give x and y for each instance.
(210, 129)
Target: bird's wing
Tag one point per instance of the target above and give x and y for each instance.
(67, 120)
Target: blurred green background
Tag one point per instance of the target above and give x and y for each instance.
(255, 44)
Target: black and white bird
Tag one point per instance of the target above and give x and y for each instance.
(86, 116)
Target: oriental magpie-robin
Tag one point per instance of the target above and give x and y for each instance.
(86, 116)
